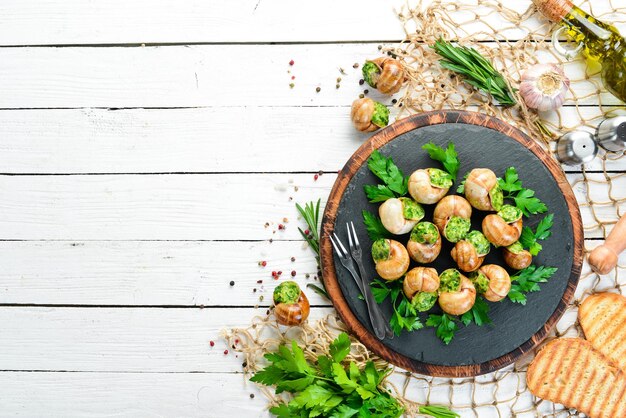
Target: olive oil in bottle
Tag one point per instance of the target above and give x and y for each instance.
(599, 41)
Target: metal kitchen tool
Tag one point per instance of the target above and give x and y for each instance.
(576, 147)
(611, 134)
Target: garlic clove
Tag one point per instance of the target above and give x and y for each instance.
(543, 87)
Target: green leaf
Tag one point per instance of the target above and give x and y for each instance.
(511, 182)
(385, 169)
(528, 203)
(311, 396)
(269, 376)
(479, 314)
(544, 226)
(342, 379)
(325, 365)
(372, 376)
(340, 347)
(438, 411)
(445, 326)
(380, 290)
(295, 385)
(461, 188)
(283, 411)
(378, 193)
(374, 226)
(344, 411)
(448, 157)
(527, 280)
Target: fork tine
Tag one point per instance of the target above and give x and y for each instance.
(341, 245)
(356, 239)
(349, 237)
(337, 250)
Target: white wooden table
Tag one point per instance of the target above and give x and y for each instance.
(144, 145)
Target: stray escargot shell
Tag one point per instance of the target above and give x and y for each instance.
(384, 74)
(368, 115)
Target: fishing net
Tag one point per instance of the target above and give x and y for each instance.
(514, 37)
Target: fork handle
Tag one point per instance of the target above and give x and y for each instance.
(379, 323)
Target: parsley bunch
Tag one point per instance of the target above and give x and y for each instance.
(395, 183)
(448, 157)
(524, 199)
(328, 388)
(529, 239)
(404, 314)
(528, 280)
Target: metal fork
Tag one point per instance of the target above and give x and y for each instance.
(346, 261)
(357, 255)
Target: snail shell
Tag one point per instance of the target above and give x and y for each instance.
(422, 190)
(361, 114)
(517, 260)
(293, 313)
(466, 256)
(396, 264)
(391, 76)
(392, 213)
(461, 301)
(478, 185)
(420, 279)
(499, 282)
(425, 252)
(448, 207)
(499, 232)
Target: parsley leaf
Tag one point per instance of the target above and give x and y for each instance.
(461, 188)
(529, 239)
(340, 347)
(448, 157)
(524, 198)
(527, 280)
(385, 169)
(378, 193)
(479, 314)
(445, 326)
(374, 226)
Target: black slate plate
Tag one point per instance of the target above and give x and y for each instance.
(513, 324)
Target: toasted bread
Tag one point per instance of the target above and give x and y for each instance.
(570, 372)
(603, 319)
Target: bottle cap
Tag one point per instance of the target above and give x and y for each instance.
(576, 147)
(555, 10)
(611, 134)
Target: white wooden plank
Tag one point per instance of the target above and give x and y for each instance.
(192, 140)
(207, 75)
(169, 21)
(82, 395)
(141, 21)
(166, 207)
(150, 273)
(123, 339)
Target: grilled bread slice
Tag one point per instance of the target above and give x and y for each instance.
(603, 319)
(570, 372)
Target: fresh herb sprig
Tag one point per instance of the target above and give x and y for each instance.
(476, 69)
(404, 314)
(395, 183)
(479, 314)
(527, 280)
(529, 239)
(524, 199)
(448, 157)
(311, 215)
(445, 326)
(331, 386)
(374, 226)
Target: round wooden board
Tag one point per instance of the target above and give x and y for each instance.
(516, 329)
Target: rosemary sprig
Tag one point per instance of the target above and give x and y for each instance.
(311, 215)
(478, 71)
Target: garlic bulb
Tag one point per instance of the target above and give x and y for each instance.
(543, 87)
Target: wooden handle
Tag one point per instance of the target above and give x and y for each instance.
(604, 258)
